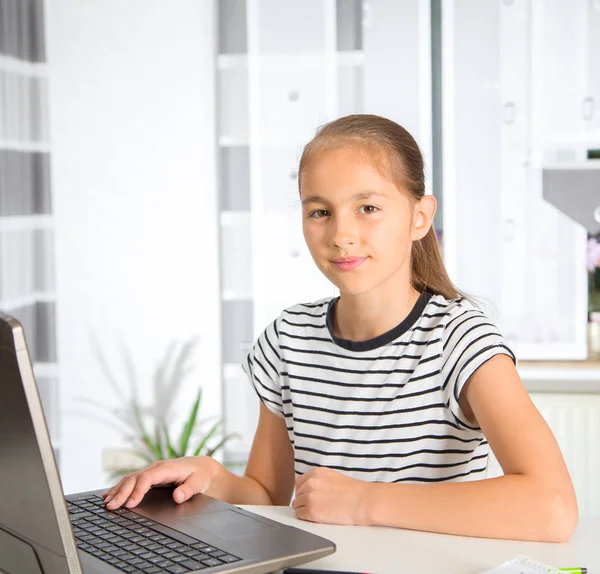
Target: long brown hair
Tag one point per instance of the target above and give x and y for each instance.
(394, 151)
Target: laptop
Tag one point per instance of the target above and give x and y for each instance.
(42, 531)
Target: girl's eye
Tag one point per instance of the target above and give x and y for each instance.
(368, 209)
(318, 213)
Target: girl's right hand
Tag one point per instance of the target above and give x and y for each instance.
(191, 474)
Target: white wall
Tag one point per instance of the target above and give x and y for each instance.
(134, 185)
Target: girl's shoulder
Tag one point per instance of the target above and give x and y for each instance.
(295, 320)
(463, 322)
(310, 308)
(449, 311)
(314, 309)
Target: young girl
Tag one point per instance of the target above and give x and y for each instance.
(377, 407)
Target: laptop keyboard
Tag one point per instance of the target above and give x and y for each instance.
(137, 545)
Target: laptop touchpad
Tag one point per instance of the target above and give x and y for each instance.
(228, 524)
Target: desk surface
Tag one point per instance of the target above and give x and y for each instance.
(394, 551)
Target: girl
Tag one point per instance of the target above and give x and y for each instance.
(377, 407)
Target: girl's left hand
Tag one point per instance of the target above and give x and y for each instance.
(327, 496)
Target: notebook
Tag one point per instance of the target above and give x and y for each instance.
(44, 532)
(523, 565)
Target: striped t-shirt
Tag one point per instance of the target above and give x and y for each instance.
(382, 410)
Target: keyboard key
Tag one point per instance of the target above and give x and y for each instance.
(217, 553)
(192, 565)
(228, 558)
(197, 555)
(212, 562)
(162, 550)
(177, 570)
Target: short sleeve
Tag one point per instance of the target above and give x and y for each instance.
(263, 368)
(469, 340)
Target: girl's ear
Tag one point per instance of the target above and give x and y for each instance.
(423, 216)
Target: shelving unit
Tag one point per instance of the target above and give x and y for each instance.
(526, 92)
(27, 285)
(283, 69)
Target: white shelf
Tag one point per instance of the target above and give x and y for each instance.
(26, 222)
(27, 300)
(237, 61)
(588, 164)
(226, 141)
(559, 371)
(16, 145)
(231, 61)
(233, 370)
(23, 67)
(230, 295)
(356, 58)
(49, 370)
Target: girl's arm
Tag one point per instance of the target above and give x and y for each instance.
(534, 500)
(269, 476)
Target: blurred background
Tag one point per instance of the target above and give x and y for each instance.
(149, 216)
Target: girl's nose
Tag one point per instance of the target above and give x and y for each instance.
(344, 234)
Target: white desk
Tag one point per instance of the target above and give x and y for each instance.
(395, 551)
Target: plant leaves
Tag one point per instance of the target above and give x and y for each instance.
(207, 437)
(143, 434)
(170, 449)
(189, 425)
(158, 441)
(147, 458)
(119, 419)
(221, 443)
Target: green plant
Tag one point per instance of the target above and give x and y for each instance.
(148, 428)
(593, 268)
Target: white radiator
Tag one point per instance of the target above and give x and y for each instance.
(575, 422)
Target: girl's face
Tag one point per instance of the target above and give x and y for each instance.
(359, 227)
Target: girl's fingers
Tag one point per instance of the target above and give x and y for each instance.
(108, 496)
(123, 492)
(194, 484)
(142, 486)
(131, 489)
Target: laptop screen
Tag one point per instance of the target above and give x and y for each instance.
(32, 506)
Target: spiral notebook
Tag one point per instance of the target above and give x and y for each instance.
(523, 565)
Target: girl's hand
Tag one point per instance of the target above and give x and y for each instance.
(191, 474)
(325, 495)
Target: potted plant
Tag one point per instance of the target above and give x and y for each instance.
(593, 268)
(148, 428)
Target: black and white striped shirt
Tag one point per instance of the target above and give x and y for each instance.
(382, 410)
